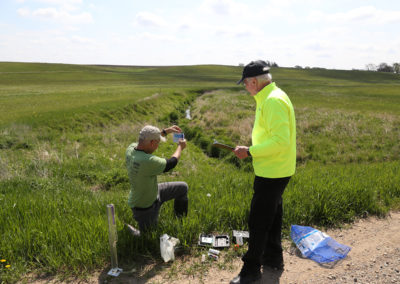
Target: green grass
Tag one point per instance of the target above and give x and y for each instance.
(30, 93)
(64, 130)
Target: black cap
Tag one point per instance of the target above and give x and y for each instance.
(253, 69)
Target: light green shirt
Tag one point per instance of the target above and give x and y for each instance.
(274, 134)
(143, 170)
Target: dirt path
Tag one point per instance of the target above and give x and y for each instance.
(374, 258)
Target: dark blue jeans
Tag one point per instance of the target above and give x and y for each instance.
(265, 223)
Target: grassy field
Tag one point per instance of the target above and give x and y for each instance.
(64, 130)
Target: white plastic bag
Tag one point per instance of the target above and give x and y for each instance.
(167, 247)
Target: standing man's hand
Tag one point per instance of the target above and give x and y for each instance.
(241, 152)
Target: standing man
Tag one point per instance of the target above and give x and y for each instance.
(146, 195)
(274, 160)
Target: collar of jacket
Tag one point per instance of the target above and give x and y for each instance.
(264, 93)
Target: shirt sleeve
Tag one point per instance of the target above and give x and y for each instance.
(171, 163)
(154, 166)
(276, 121)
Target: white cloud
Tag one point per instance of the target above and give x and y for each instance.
(23, 12)
(64, 11)
(289, 3)
(238, 32)
(50, 46)
(156, 37)
(83, 40)
(69, 5)
(361, 15)
(220, 7)
(60, 2)
(316, 46)
(57, 15)
(185, 26)
(224, 7)
(72, 4)
(187, 22)
(207, 31)
(46, 13)
(149, 20)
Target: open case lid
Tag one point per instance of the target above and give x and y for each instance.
(216, 241)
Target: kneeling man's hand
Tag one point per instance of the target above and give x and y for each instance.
(182, 143)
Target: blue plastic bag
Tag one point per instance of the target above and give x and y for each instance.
(317, 245)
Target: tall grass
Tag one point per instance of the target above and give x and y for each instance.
(64, 131)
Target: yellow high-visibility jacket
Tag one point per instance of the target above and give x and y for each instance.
(274, 134)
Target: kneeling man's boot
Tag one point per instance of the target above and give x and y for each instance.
(181, 208)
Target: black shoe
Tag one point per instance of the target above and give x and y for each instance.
(245, 279)
(181, 208)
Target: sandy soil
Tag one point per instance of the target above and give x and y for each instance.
(374, 258)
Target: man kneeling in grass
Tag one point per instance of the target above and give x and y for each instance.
(146, 195)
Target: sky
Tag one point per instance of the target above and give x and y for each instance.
(316, 33)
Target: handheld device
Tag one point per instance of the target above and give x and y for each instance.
(223, 146)
(178, 136)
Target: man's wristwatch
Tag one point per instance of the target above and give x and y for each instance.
(164, 132)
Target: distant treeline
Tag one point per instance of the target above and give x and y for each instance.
(382, 67)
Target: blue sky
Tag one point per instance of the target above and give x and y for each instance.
(332, 34)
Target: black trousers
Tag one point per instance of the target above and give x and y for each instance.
(265, 222)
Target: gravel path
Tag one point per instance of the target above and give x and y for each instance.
(374, 258)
